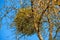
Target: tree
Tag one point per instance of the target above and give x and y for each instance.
(28, 19)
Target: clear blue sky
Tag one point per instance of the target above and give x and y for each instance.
(1, 3)
(7, 33)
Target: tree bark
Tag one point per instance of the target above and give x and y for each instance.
(50, 29)
(35, 21)
(35, 24)
(38, 32)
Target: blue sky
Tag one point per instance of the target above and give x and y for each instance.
(1, 3)
(8, 33)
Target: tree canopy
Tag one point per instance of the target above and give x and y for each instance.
(29, 19)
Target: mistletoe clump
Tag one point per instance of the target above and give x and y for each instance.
(24, 21)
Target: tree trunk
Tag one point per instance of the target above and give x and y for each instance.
(50, 29)
(40, 36)
(50, 35)
(38, 32)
